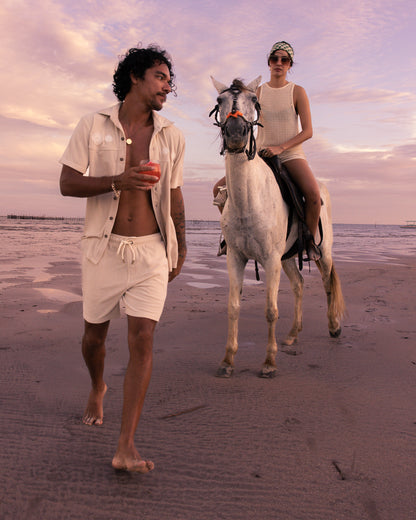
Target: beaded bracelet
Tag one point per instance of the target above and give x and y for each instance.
(113, 187)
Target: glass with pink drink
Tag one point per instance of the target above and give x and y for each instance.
(155, 171)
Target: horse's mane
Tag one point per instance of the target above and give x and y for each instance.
(238, 84)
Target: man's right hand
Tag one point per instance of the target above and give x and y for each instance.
(141, 177)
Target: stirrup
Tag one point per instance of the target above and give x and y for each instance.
(222, 248)
(313, 253)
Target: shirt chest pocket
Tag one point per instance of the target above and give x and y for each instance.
(106, 157)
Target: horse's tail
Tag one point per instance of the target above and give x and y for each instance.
(337, 304)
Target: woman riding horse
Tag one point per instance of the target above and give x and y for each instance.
(282, 105)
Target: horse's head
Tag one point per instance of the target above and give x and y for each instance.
(236, 113)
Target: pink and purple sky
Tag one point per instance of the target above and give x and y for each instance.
(355, 59)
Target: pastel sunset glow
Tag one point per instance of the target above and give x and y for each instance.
(355, 59)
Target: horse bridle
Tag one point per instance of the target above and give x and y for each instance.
(251, 152)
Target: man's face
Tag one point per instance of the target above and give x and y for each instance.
(155, 86)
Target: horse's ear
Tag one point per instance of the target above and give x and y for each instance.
(254, 84)
(219, 86)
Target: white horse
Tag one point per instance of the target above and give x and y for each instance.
(254, 224)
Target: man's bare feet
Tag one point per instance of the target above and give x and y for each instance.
(132, 463)
(93, 414)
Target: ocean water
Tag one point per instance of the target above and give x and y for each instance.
(352, 242)
(29, 246)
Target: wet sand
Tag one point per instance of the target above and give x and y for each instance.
(333, 436)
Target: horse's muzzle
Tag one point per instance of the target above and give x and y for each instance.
(235, 134)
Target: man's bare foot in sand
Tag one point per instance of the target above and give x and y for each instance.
(131, 462)
(93, 414)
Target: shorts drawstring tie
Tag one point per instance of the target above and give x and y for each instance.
(122, 248)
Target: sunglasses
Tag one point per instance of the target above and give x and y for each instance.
(284, 59)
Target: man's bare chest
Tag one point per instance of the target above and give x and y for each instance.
(137, 149)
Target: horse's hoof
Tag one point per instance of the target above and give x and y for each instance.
(289, 341)
(336, 333)
(268, 372)
(225, 371)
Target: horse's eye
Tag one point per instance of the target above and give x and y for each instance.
(219, 100)
(254, 99)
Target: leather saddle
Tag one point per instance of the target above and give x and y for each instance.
(296, 203)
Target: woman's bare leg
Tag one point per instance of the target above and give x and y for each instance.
(303, 176)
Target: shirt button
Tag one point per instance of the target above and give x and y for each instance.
(111, 218)
(105, 236)
(121, 158)
(122, 138)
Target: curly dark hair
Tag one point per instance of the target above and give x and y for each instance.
(136, 61)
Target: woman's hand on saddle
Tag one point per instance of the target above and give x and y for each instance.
(270, 151)
(141, 177)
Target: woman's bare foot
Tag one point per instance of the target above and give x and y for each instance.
(93, 414)
(131, 462)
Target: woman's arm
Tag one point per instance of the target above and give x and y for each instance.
(216, 189)
(303, 109)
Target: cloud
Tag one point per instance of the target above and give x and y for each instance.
(363, 95)
(407, 150)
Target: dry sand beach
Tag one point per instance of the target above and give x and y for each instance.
(332, 437)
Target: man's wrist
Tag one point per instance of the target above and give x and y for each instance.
(115, 186)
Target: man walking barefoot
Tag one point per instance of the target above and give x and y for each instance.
(134, 236)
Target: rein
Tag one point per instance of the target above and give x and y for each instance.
(251, 152)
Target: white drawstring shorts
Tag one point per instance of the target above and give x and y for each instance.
(132, 274)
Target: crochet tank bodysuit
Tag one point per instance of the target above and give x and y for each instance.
(280, 120)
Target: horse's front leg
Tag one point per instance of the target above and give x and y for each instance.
(273, 270)
(235, 265)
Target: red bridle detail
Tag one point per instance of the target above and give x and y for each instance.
(235, 114)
